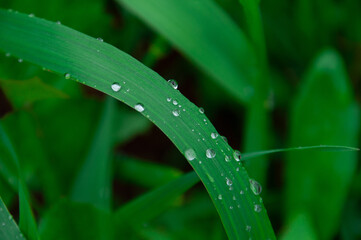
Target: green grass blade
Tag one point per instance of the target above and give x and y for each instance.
(27, 221)
(324, 112)
(225, 53)
(144, 173)
(100, 65)
(325, 148)
(8, 228)
(93, 183)
(300, 228)
(151, 204)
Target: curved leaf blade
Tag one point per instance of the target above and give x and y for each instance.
(99, 65)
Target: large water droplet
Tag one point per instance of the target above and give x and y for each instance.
(229, 182)
(257, 208)
(214, 135)
(176, 112)
(190, 154)
(255, 186)
(237, 155)
(116, 87)
(139, 107)
(173, 83)
(67, 75)
(201, 110)
(210, 153)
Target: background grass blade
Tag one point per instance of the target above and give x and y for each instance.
(324, 112)
(139, 211)
(27, 222)
(99, 65)
(93, 183)
(8, 230)
(225, 54)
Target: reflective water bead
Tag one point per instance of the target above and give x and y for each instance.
(31, 15)
(201, 110)
(139, 107)
(116, 87)
(210, 153)
(214, 135)
(20, 60)
(173, 83)
(257, 208)
(229, 182)
(176, 112)
(224, 139)
(220, 196)
(190, 154)
(67, 75)
(227, 158)
(100, 39)
(248, 228)
(255, 186)
(169, 99)
(237, 155)
(58, 22)
(175, 102)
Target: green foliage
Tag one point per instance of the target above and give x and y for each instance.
(277, 78)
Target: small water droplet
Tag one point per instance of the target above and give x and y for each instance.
(10, 217)
(116, 87)
(227, 158)
(214, 135)
(58, 22)
(231, 207)
(173, 83)
(67, 75)
(7, 54)
(3, 224)
(255, 186)
(248, 228)
(210, 153)
(20, 60)
(257, 208)
(31, 15)
(229, 182)
(139, 107)
(190, 154)
(237, 155)
(169, 99)
(176, 112)
(234, 198)
(220, 196)
(175, 102)
(241, 192)
(224, 139)
(201, 110)
(100, 39)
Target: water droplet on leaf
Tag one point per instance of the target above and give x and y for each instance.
(67, 75)
(214, 135)
(173, 83)
(116, 87)
(190, 154)
(210, 153)
(237, 155)
(255, 186)
(176, 112)
(139, 107)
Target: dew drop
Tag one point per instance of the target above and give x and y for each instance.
(7, 54)
(100, 39)
(229, 182)
(169, 99)
(210, 153)
(58, 22)
(201, 110)
(255, 186)
(237, 155)
(116, 87)
(227, 158)
(224, 139)
(173, 83)
(67, 75)
(139, 107)
(220, 196)
(231, 207)
(214, 135)
(257, 208)
(31, 15)
(248, 228)
(20, 60)
(190, 154)
(241, 192)
(176, 112)
(175, 102)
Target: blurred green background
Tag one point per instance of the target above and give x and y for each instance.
(313, 68)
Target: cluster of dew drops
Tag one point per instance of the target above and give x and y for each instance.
(4, 224)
